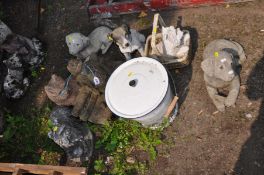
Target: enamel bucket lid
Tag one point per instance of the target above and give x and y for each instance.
(136, 87)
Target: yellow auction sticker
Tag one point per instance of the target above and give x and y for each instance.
(216, 54)
(155, 30)
(130, 74)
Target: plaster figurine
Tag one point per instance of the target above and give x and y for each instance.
(82, 46)
(128, 40)
(221, 64)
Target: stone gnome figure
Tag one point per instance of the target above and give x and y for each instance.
(221, 64)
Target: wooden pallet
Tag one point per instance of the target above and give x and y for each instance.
(20, 169)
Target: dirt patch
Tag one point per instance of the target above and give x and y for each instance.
(204, 143)
(199, 141)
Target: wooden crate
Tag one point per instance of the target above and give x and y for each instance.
(20, 169)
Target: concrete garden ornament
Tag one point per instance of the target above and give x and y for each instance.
(62, 92)
(81, 91)
(82, 46)
(128, 40)
(89, 74)
(21, 55)
(88, 104)
(70, 134)
(221, 65)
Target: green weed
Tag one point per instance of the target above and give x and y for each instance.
(25, 139)
(34, 74)
(120, 139)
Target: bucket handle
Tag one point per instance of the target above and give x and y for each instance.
(171, 106)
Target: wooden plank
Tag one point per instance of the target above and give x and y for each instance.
(53, 173)
(43, 169)
(18, 171)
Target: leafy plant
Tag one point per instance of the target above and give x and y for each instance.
(34, 74)
(119, 138)
(25, 138)
(49, 158)
(99, 165)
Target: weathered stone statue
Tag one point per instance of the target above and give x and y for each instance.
(221, 64)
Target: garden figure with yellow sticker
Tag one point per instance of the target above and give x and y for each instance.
(128, 40)
(82, 47)
(222, 60)
(74, 137)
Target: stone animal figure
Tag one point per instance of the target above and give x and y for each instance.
(25, 54)
(93, 72)
(90, 106)
(71, 135)
(128, 40)
(82, 46)
(87, 102)
(221, 64)
(30, 51)
(57, 91)
(92, 75)
(22, 54)
(15, 84)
